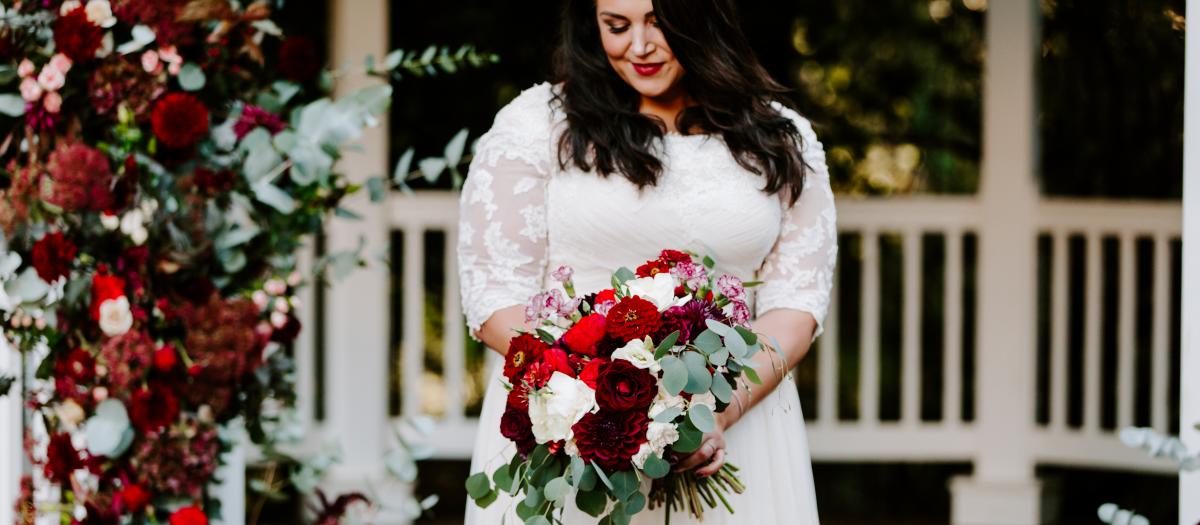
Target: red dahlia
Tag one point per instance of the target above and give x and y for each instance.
(611, 438)
(53, 255)
(523, 350)
(632, 318)
(154, 407)
(179, 120)
(76, 36)
(80, 178)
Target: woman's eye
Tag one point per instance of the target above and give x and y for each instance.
(617, 30)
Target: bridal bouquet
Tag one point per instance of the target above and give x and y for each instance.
(610, 387)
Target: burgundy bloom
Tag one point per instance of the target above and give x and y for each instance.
(53, 255)
(622, 386)
(79, 178)
(516, 426)
(212, 183)
(179, 120)
(40, 119)
(632, 318)
(518, 397)
(78, 365)
(298, 60)
(611, 438)
(161, 15)
(154, 407)
(61, 458)
(255, 117)
(523, 350)
(76, 36)
(689, 319)
(128, 357)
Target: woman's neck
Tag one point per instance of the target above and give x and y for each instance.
(666, 107)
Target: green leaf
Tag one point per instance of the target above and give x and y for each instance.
(593, 502)
(736, 346)
(12, 105)
(454, 148)
(699, 379)
(634, 504)
(720, 328)
(311, 164)
(708, 262)
(575, 469)
(721, 388)
(624, 274)
(432, 168)
(400, 175)
(588, 479)
(689, 438)
(702, 418)
(666, 345)
(478, 485)
(274, 197)
(533, 497)
(7, 74)
(286, 90)
(557, 491)
(708, 342)
(191, 77)
(393, 59)
(624, 483)
(719, 357)
(675, 374)
(6, 383)
(747, 336)
(377, 188)
(545, 336)
(656, 467)
(46, 368)
(668, 414)
(503, 478)
(487, 499)
(603, 478)
(537, 520)
(751, 374)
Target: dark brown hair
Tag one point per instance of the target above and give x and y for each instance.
(732, 90)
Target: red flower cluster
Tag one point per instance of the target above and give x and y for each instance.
(153, 407)
(61, 458)
(105, 287)
(53, 255)
(179, 120)
(665, 261)
(611, 438)
(80, 178)
(255, 117)
(76, 36)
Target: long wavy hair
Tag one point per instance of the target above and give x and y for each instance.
(732, 91)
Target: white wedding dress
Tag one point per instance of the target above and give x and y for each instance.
(522, 216)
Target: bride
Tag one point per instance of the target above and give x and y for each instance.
(663, 131)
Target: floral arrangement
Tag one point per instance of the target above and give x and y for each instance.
(612, 386)
(160, 162)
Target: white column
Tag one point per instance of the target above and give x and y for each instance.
(1189, 413)
(357, 308)
(11, 457)
(1003, 489)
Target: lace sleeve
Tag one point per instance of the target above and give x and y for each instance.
(798, 272)
(502, 213)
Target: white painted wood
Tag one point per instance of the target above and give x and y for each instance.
(1126, 306)
(412, 353)
(11, 456)
(868, 401)
(1189, 483)
(827, 364)
(1160, 384)
(1058, 330)
(1138, 216)
(1092, 333)
(952, 331)
(453, 350)
(910, 381)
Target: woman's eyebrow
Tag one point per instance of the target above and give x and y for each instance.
(613, 15)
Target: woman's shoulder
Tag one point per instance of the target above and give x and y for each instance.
(533, 111)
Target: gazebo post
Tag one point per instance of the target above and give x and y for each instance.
(1189, 381)
(1003, 489)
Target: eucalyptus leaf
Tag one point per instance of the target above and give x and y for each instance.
(142, 35)
(557, 491)
(431, 168)
(736, 346)
(634, 504)
(668, 414)
(624, 483)
(748, 336)
(624, 274)
(600, 474)
(719, 357)
(666, 345)
(537, 520)
(708, 342)
(274, 197)
(702, 417)
(689, 438)
(454, 148)
(699, 379)
(12, 105)
(311, 163)
(478, 485)
(286, 90)
(377, 188)
(593, 502)
(656, 467)
(721, 388)
(191, 77)
(675, 374)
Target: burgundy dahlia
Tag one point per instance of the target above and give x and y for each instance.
(516, 426)
(53, 255)
(179, 120)
(611, 438)
(153, 407)
(254, 117)
(76, 36)
(61, 458)
(689, 319)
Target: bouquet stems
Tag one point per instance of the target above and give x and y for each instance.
(693, 493)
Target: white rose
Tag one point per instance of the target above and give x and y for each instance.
(640, 354)
(659, 289)
(643, 453)
(664, 401)
(660, 435)
(70, 413)
(133, 224)
(562, 403)
(99, 12)
(115, 317)
(705, 399)
(110, 222)
(68, 6)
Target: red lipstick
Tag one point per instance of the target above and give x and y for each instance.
(648, 70)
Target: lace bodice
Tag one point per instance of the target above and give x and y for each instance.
(522, 216)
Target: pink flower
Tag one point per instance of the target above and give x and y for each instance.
(255, 117)
(150, 62)
(549, 304)
(603, 307)
(731, 287)
(51, 79)
(26, 69)
(691, 274)
(31, 91)
(563, 273)
(741, 312)
(61, 62)
(171, 56)
(52, 102)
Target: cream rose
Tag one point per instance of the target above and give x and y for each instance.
(558, 406)
(659, 289)
(115, 317)
(640, 354)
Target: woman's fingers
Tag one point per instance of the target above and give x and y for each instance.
(699, 457)
(717, 462)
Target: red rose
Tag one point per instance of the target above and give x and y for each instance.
(61, 458)
(605, 295)
(611, 438)
(53, 255)
(152, 408)
(179, 120)
(76, 36)
(105, 287)
(515, 426)
(189, 516)
(622, 386)
(591, 371)
(135, 498)
(582, 337)
(522, 350)
(166, 358)
(632, 318)
(557, 359)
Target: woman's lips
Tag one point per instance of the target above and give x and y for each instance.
(647, 70)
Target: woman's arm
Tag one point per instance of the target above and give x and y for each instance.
(793, 331)
(501, 327)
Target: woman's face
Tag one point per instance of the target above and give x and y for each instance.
(636, 47)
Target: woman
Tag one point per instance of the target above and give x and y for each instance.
(663, 132)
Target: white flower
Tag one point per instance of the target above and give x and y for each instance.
(562, 403)
(659, 289)
(133, 224)
(110, 222)
(68, 6)
(70, 413)
(115, 317)
(643, 453)
(661, 435)
(706, 398)
(99, 12)
(664, 401)
(640, 354)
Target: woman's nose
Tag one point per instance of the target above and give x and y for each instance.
(642, 46)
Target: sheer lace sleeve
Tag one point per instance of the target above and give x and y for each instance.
(502, 213)
(798, 272)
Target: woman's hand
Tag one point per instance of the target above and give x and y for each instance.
(710, 457)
